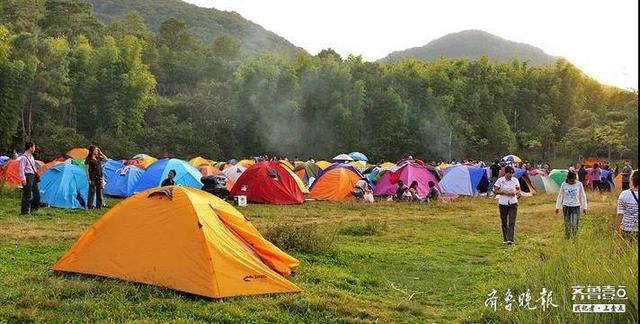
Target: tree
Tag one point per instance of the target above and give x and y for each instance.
(69, 19)
(11, 87)
(124, 85)
(49, 96)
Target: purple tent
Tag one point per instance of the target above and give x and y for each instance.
(407, 173)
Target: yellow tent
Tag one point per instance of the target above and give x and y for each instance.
(246, 162)
(287, 164)
(145, 160)
(387, 165)
(181, 238)
(323, 164)
(360, 165)
(78, 153)
(198, 161)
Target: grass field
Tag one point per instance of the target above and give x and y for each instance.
(383, 262)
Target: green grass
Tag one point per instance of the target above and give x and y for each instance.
(448, 257)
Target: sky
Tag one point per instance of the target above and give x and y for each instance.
(600, 37)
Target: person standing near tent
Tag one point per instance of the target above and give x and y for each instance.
(30, 179)
(169, 180)
(571, 198)
(508, 190)
(626, 174)
(582, 175)
(627, 211)
(495, 174)
(596, 176)
(94, 168)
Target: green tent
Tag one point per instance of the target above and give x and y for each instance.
(558, 176)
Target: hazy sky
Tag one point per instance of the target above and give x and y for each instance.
(600, 37)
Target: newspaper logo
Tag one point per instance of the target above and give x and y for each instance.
(598, 299)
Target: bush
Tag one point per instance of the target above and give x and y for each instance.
(298, 237)
(7, 190)
(369, 227)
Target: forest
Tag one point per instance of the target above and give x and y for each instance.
(67, 80)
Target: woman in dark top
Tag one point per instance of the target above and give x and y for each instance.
(94, 172)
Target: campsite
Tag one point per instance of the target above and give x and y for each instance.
(336, 161)
(344, 260)
(450, 260)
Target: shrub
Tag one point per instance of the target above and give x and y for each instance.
(369, 227)
(298, 237)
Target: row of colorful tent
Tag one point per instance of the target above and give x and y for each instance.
(280, 182)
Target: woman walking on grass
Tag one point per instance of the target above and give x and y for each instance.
(508, 190)
(627, 216)
(571, 197)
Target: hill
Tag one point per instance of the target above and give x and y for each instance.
(472, 44)
(206, 23)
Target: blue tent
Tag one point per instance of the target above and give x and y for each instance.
(186, 174)
(357, 156)
(464, 180)
(64, 186)
(110, 167)
(123, 182)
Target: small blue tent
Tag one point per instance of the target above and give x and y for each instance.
(357, 156)
(64, 186)
(110, 167)
(186, 174)
(124, 181)
(464, 180)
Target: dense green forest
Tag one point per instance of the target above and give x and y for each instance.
(206, 24)
(472, 44)
(66, 79)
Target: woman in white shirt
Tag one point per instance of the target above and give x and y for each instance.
(627, 218)
(571, 197)
(507, 189)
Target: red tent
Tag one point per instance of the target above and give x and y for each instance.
(268, 183)
(10, 172)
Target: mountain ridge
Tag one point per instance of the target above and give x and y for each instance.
(205, 23)
(471, 44)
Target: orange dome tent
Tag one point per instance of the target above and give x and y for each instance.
(335, 183)
(10, 173)
(184, 239)
(208, 170)
(47, 166)
(78, 153)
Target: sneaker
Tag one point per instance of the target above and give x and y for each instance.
(509, 242)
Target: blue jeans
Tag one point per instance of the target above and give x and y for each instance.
(571, 220)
